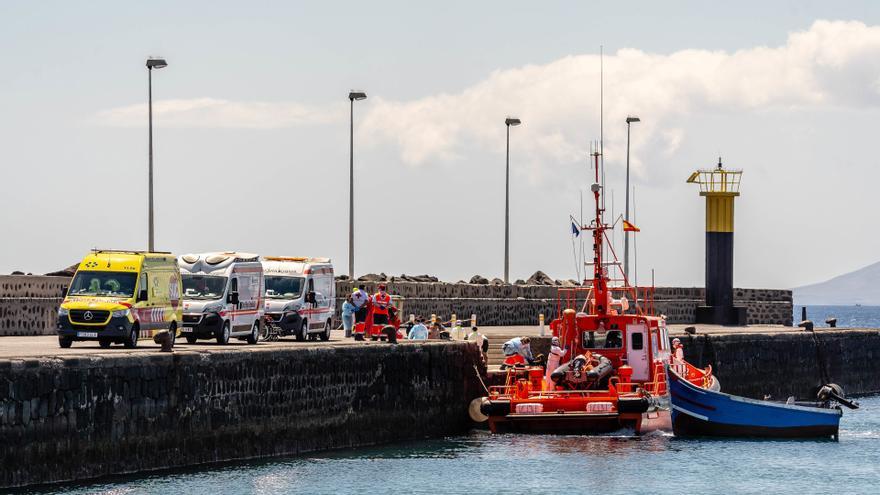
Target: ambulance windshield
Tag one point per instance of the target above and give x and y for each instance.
(105, 284)
(283, 287)
(203, 286)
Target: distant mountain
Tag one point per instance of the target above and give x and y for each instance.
(859, 287)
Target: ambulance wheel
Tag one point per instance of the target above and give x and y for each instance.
(65, 342)
(255, 333)
(303, 331)
(132, 340)
(223, 336)
(104, 343)
(191, 339)
(325, 335)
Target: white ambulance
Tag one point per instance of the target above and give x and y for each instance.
(300, 296)
(222, 296)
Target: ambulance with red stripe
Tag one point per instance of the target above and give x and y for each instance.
(119, 297)
(300, 295)
(222, 296)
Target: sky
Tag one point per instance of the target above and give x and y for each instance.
(251, 131)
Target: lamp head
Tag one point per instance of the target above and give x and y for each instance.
(632, 118)
(512, 121)
(357, 95)
(156, 63)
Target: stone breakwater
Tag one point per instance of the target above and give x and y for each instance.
(81, 417)
(28, 304)
(508, 305)
(779, 364)
(790, 363)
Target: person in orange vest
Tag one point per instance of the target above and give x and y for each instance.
(381, 303)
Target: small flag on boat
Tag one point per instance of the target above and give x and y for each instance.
(575, 230)
(628, 227)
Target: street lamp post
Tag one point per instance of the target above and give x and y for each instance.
(509, 121)
(152, 63)
(629, 120)
(352, 96)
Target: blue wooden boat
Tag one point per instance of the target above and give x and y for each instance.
(700, 412)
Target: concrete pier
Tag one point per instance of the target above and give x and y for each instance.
(91, 413)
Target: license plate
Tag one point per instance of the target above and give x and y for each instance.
(186, 329)
(87, 334)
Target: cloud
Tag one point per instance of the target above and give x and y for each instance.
(217, 113)
(833, 63)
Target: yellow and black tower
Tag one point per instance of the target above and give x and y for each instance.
(720, 186)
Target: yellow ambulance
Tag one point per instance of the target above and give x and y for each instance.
(120, 296)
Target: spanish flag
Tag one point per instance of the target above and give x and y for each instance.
(628, 227)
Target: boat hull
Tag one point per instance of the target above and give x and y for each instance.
(702, 412)
(576, 423)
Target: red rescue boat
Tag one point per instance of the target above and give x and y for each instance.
(612, 375)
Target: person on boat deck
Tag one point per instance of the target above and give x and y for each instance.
(518, 350)
(553, 360)
(419, 331)
(677, 350)
(381, 303)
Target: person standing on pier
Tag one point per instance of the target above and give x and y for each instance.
(476, 338)
(419, 331)
(381, 303)
(359, 298)
(348, 309)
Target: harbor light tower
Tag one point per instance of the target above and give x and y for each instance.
(720, 186)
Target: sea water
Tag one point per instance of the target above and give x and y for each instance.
(847, 316)
(482, 463)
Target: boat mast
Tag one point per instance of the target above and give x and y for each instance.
(600, 287)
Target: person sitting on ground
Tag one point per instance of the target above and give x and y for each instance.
(419, 331)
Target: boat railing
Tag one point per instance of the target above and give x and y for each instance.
(581, 299)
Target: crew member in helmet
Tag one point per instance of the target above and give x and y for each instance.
(359, 298)
(381, 304)
(677, 350)
(553, 360)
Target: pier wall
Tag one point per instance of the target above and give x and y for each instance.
(72, 418)
(28, 303)
(508, 305)
(783, 364)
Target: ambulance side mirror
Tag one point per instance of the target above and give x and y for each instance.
(143, 296)
(64, 289)
(310, 297)
(232, 298)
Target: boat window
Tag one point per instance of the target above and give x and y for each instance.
(638, 342)
(612, 339)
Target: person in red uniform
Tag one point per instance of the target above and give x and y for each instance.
(381, 304)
